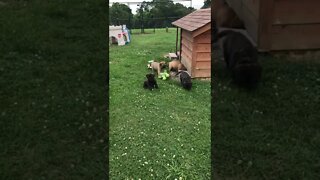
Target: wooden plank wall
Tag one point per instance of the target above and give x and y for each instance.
(296, 12)
(186, 50)
(296, 37)
(295, 25)
(264, 24)
(202, 55)
(281, 24)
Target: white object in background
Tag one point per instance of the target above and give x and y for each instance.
(116, 32)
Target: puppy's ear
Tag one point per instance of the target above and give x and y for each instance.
(162, 64)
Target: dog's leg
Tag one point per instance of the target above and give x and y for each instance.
(150, 87)
(145, 85)
(159, 69)
(156, 85)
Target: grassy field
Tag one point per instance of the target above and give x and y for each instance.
(53, 58)
(160, 134)
(272, 132)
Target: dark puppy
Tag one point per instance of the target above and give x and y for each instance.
(241, 58)
(185, 80)
(150, 83)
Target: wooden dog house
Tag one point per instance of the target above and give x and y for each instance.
(195, 42)
(281, 24)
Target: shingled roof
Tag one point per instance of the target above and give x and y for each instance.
(194, 20)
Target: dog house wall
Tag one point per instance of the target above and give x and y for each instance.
(116, 33)
(196, 44)
(201, 54)
(281, 24)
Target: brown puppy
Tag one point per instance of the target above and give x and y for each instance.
(157, 66)
(176, 65)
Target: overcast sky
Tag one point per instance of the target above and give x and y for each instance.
(197, 4)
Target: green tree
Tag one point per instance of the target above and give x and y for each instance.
(160, 13)
(207, 4)
(120, 14)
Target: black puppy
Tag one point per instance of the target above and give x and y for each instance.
(150, 83)
(185, 79)
(241, 58)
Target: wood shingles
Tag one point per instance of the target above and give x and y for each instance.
(195, 20)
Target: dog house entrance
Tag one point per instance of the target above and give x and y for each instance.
(113, 40)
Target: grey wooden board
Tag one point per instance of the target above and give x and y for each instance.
(173, 56)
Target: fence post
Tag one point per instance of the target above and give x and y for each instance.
(154, 26)
(177, 40)
(141, 24)
(129, 27)
(167, 30)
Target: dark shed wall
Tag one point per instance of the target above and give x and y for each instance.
(281, 24)
(295, 25)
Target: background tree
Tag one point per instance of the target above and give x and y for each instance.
(160, 13)
(207, 4)
(120, 14)
(153, 14)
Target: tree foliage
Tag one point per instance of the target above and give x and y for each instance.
(119, 12)
(207, 4)
(156, 13)
(160, 13)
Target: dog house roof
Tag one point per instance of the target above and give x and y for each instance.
(194, 20)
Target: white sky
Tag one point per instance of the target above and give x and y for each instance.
(197, 4)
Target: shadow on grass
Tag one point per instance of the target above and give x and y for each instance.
(273, 131)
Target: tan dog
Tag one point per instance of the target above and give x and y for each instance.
(176, 65)
(158, 66)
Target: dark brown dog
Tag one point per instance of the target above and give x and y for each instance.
(185, 79)
(241, 58)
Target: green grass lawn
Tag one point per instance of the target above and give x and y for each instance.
(53, 58)
(272, 132)
(160, 134)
